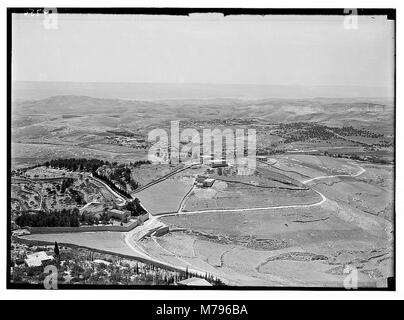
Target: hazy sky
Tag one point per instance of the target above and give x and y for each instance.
(274, 50)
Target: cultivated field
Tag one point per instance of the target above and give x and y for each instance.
(239, 196)
(166, 196)
(244, 243)
(147, 173)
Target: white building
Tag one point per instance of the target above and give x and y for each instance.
(36, 259)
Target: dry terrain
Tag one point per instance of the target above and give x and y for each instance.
(320, 201)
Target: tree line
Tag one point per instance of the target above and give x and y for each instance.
(121, 173)
(73, 164)
(135, 208)
(112, 185)
(62, 218)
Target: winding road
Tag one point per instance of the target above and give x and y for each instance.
(153, 219)
(361, 170)
(323, 199)
(133, 237)
(142, 253)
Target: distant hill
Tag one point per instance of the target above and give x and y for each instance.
(76, 126)
(161, 91)
(118, 113)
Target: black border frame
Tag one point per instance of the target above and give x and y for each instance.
(389, 12)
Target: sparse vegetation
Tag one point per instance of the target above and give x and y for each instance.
(315, 238)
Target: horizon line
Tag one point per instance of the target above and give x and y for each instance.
(204, 83)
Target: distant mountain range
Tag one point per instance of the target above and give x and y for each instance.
(162, 91)
(84, 111)
(73, 126)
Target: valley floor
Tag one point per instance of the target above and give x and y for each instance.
(317, 243)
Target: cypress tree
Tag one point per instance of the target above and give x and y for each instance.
(56, 249)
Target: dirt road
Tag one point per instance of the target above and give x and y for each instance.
(361, 170)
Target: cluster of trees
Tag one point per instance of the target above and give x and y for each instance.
(77, 197)
(112, 185)
(62, 218)
(75, 261)
(144, 274)
(351, 131)
(90, 219)
(73, 164)
(303, 131)
(310, 132)
(294, 125)
(134, 207)
(138, 163)
(208, 277)
(364, 157)
(123, 176)
(131, 164)
(81, 164)
(66, 183)
(120, 174)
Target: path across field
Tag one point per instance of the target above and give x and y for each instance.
(132, 237)
(361, 170)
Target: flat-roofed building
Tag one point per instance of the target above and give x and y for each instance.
(207, 183)
(218, 163)
(200, 179)
(36, 259)
(119, 214)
